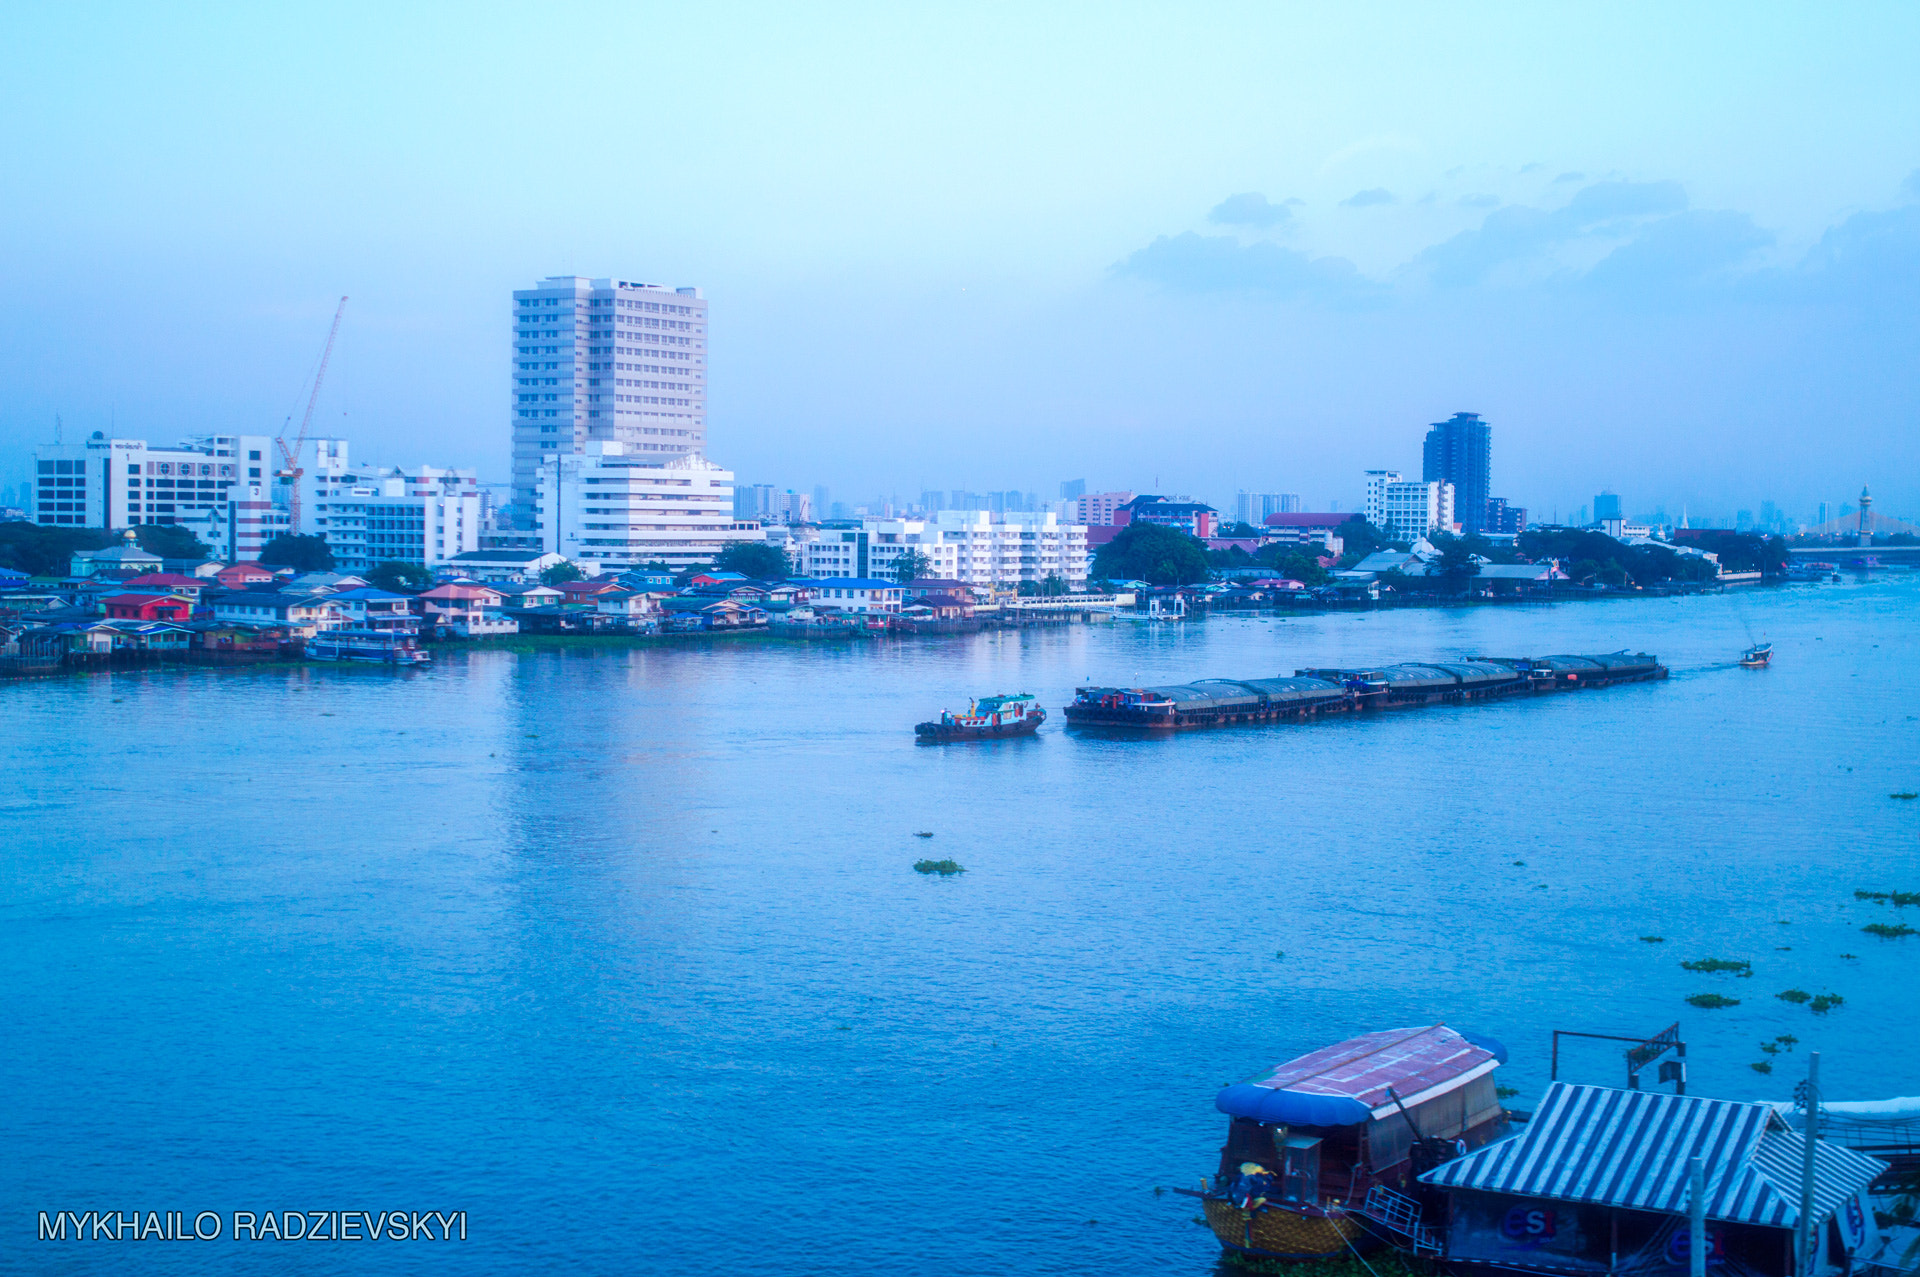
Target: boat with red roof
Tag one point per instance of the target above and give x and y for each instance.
(1322, 1150)
(988, 718)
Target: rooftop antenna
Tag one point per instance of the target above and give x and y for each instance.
(58, 428)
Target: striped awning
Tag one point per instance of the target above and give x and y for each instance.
(1630, 1149)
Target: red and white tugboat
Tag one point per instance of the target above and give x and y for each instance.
(986, 719)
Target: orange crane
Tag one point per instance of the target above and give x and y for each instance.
(290, 455)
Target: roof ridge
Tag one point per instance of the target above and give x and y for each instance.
(1375, 1050)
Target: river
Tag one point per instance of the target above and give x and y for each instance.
(620, 951)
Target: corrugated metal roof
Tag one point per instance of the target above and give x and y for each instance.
(1356, 1075)
(1630, 1149)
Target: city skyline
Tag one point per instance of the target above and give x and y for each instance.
(1697, 299)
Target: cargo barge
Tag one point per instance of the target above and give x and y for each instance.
(1315, 693)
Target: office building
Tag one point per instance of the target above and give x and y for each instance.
(620, 507)
(1254, 507)
(1606, 507)
(1071, 489)
(1097, 509)
(221, 486)
(604, 360)
(1504, 518)
(755, 501)
(1459, 451)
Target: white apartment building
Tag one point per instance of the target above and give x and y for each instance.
(623, 508)
(604, 360)
(386, 514)
(986, 550)
(220, 485)
(1406, 510)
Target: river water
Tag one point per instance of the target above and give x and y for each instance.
(621, 952)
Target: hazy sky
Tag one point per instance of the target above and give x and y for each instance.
(1671, 250)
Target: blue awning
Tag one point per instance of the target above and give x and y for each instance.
(1290, 1108)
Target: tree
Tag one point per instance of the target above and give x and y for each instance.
(1054, 584)
(911, 566)
(755, 559)
(38, 551)
(1358, 539)
(1153, 553)
(400, 578)
(560, 573)
(1027, 589)
(1241, 531)
(1294, 562)
(302, 554)
(171, 541)
(1456, 562)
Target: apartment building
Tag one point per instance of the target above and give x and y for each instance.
(1407, 510)
(422, 515)
(604, 360)
(986, 550)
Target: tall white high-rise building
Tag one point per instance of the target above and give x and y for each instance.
(604, 360)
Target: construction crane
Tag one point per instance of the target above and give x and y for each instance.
(291, 469)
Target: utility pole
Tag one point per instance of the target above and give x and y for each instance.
(1696, 1217)
(1809, 1134)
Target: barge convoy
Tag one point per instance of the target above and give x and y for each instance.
(1313, 693)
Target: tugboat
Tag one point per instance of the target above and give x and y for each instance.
(1757, 657)
(1322, 1150)
(986, 719)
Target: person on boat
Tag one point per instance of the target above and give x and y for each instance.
(1251, 1187)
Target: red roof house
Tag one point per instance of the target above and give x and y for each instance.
(148, 607)
(240, 575)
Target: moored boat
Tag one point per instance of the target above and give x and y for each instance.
(988, 718)
(1759, 656)
(1321, 1151)
(377, 647)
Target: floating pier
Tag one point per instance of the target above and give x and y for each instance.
(1315, 693)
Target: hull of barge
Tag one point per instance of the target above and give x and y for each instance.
(1400, 687)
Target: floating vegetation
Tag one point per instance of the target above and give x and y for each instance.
(1783, 948)
(1279, 953)
(1653, 939)
(1505, 1092)
(1898, 899)
(1761, 1066)
(945, 868)
(1788, 1040)
(923, 833)
(1711, 1001)
(1905, 795)
(1795, 996)
(1783, 922)
(1825, 1003)
(1889, 931)
(1771, 1048)
(843, 1028)
(1851, 957)
(1519, 864)
(1715, 966)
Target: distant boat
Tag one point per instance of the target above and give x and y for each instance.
(988, 718)
(1757, 657)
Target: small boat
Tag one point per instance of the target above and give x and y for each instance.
(378, 647)
(986, 719)
(1757, 657)
(1321, 1151)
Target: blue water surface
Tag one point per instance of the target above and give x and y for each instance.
(620, 951)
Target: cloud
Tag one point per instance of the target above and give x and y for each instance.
(1570, 177)
(1518, 232)
(1479, 201)
(1250, 209)
(1220, 263)
(1871, 258)
(1686, 248)
(1911, 187)
(1368, 198)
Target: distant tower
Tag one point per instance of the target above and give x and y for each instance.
(1460, 451)
(1866, 517)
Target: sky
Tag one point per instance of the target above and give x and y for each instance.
(1668, 251)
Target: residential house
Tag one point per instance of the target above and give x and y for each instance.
(240, 576)
(518, 597)
(133, 606)
(187, 587)
(159, 637)
(470, 611)
(368, 608)
(302, 614)
(863, 595)
(323, 583)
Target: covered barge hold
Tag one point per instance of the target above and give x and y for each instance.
(1598, 1182)
(1316, 1145)
(1313, 693)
